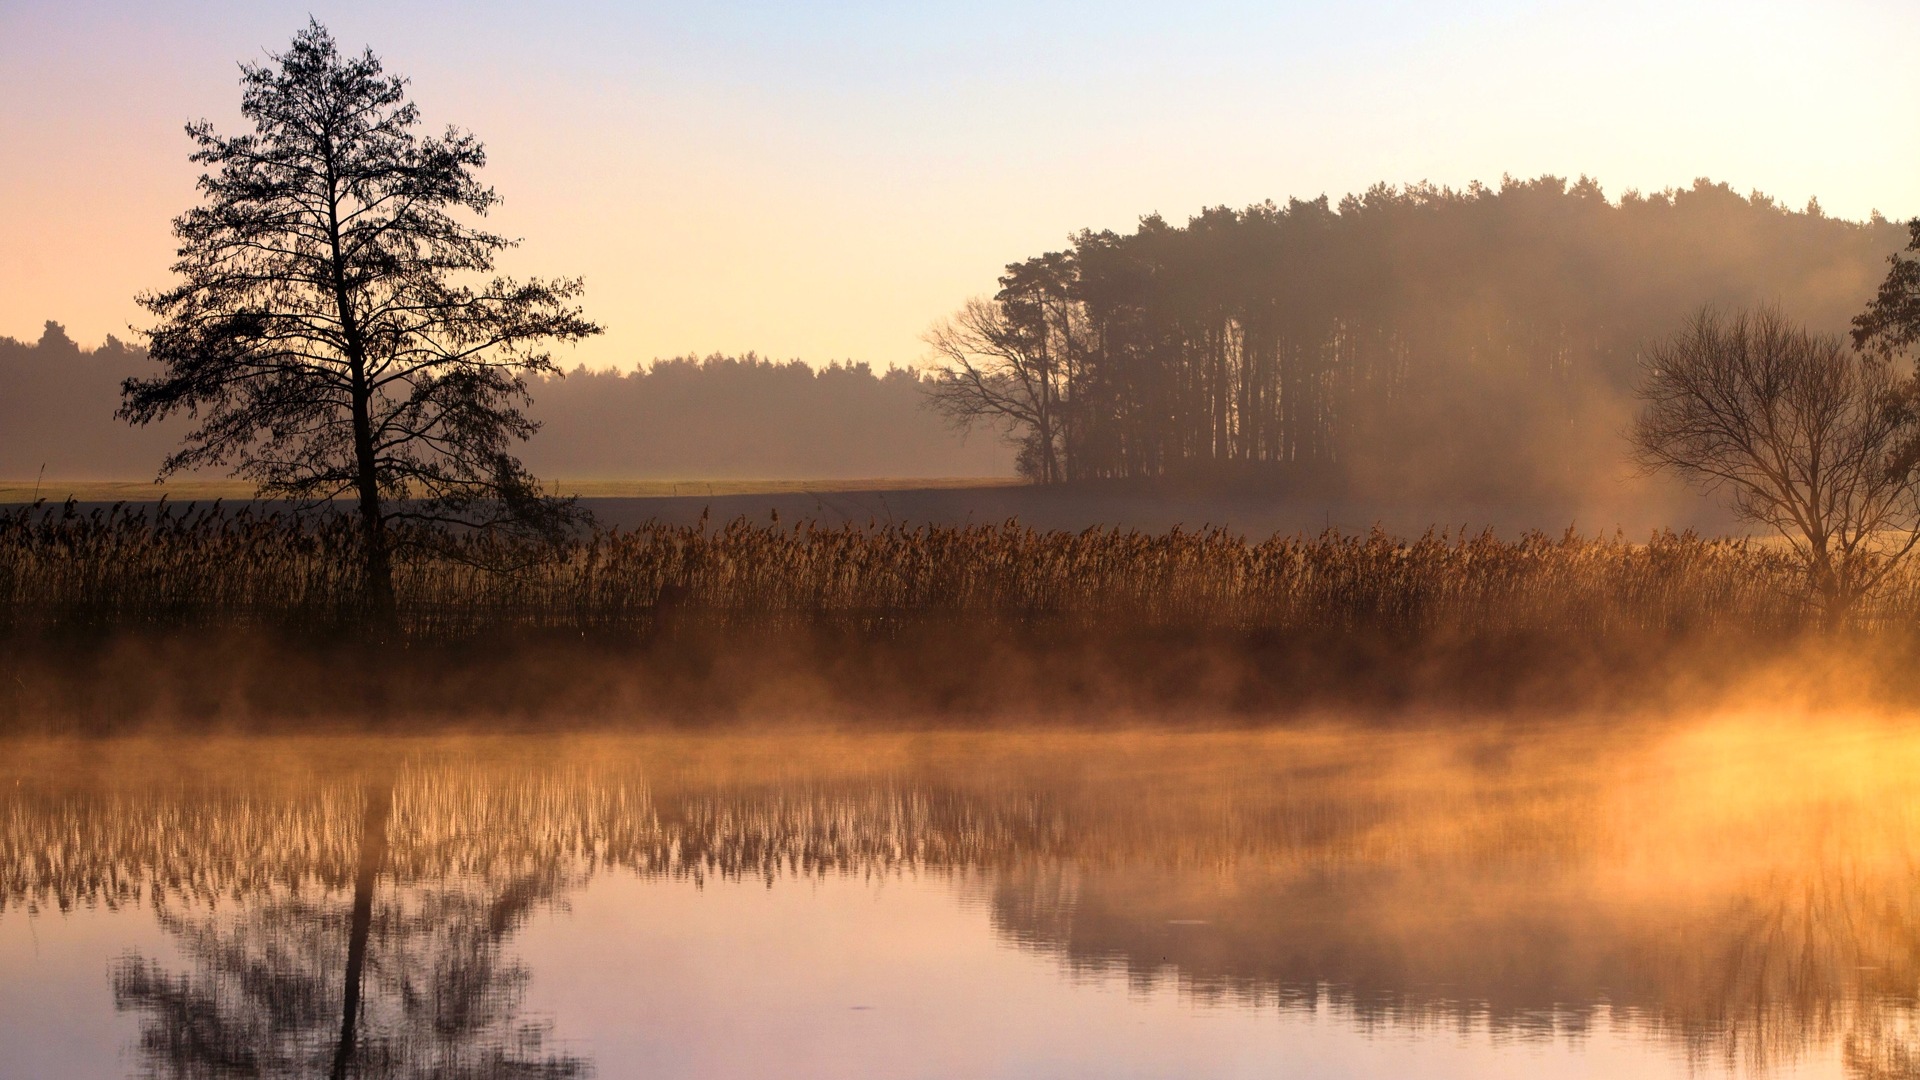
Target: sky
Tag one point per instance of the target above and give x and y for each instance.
(824, 180)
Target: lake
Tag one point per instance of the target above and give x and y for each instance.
(1731, 894)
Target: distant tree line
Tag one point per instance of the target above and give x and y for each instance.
(56, 411)
(1408, 339)
(1480, 343)
(744, 417)
(713, 417)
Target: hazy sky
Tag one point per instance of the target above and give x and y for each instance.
(824, 179)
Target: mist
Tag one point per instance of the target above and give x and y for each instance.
(1730, 887)
(1273, 620)
(1413, 355)
(707, 418)
(1422, 343)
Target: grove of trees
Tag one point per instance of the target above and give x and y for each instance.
(1478, 342)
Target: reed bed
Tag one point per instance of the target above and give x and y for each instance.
(161, 567)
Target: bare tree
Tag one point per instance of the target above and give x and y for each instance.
(1801, 431)
(995, 368)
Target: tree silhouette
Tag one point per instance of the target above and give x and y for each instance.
(424, 990)
(1399, 342)
(1891, 323)
(335, 331)
(373, 852)
(1889, 329)
(1801, 432)
(996, 368)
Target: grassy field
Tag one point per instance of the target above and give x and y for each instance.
(109, 491)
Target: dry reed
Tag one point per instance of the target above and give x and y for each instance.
(129, 568)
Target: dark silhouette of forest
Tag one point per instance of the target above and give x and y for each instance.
(712, 418)
(1403, 341)
(56, 411)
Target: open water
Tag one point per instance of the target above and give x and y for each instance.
(1733, 895)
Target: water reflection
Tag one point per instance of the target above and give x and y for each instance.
(390, 979)
(1744, 892)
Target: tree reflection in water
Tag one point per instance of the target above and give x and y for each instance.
(1746, 897)
(409, 980)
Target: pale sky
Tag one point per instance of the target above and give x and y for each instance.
(823, 180)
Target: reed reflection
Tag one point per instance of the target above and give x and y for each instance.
(1747, 894)
(419, 987)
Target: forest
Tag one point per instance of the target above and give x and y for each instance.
(713, 417)
(747, 417)
(1481, 341)
(1470, 344)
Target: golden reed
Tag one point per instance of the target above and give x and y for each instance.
(206, 566)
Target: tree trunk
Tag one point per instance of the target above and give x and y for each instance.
(373, 524)
(1835, 598)
(378, 564)
(373, 852)
(381, 608)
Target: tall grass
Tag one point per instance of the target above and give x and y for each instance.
(166, 567)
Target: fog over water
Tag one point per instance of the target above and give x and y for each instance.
(1733, 894)
(960, 541)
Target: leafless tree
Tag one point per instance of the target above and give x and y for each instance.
(1800, 430)
(994, 367)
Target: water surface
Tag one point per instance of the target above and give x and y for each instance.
(1731, 896)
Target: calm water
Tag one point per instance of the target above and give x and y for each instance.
(1734, 896)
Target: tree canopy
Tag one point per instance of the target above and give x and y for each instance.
(339, 326)
(1407, 339)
